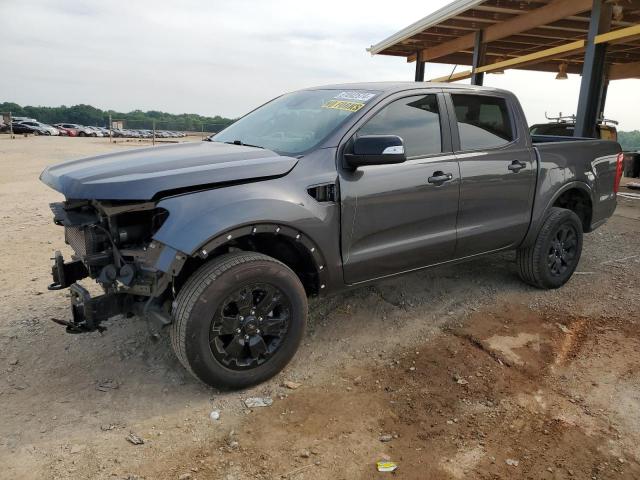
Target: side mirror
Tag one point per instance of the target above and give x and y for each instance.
(376, 150)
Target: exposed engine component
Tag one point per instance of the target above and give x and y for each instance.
(109, 242)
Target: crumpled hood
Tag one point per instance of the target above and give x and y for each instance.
(141, 174)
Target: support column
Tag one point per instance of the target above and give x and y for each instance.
(593, 72)
(419, 67)
(603, 96)
(479, 50)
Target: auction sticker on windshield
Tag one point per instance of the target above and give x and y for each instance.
(343, 105)
(355, 95)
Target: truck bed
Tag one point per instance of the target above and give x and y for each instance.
(589, 161)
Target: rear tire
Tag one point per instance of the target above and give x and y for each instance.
(239, 320)
(552, 259)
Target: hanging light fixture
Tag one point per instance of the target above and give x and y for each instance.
(562, 72)
(501, 71)
(618, 12)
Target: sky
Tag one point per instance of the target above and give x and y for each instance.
(224, 58)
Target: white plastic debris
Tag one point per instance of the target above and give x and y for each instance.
(255, 402)
(134, 439)
(215, 415)
(386, 466)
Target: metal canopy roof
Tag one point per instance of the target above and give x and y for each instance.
(532, 35)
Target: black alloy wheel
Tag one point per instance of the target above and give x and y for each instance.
(250, 326)
(562, 251)
(551, 260)
(239, 319)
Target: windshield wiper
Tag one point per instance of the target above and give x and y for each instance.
(240, 142)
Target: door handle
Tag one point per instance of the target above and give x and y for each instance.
(439, 178)
(516, 166)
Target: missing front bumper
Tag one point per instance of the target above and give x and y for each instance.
(66, 274)
(89, 312)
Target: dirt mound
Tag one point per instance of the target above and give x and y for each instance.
(489, 400)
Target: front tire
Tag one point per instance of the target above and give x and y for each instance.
(552, 259)
(239, 320)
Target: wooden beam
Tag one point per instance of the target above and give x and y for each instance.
(452, 78)
(535, 57)
(534, 38)
(619, 36)
(522, 61)
(554, 11)
(487, 8)
(621, 71)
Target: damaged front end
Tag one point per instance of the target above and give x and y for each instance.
(113, 244)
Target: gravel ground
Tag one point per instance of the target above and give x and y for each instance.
(456, 372)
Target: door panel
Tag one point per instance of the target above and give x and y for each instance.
(498, 172)
(394, 220)
(495, 203)
(401, 217)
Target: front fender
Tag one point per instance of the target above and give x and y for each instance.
(199, 218)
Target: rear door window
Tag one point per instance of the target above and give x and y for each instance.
(483, 121)
(415, 119)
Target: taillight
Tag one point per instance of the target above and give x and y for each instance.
(619, 168)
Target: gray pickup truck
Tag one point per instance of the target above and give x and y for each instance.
(318, 191)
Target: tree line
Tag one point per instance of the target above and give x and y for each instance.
(89, 115)
(630, 140)
(137, 119)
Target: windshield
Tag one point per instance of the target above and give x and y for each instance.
(296, 122)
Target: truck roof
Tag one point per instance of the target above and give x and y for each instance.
(391, 87)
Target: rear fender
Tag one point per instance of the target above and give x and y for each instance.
(541, 212)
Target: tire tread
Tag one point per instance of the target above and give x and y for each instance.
(194, 287)
(529, 259)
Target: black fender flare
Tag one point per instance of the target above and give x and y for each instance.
(294, 234)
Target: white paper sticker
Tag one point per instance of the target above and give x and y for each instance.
(355, 95)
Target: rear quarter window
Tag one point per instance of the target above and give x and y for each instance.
(483, 121)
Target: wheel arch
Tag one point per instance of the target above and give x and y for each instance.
(549, 201)
(577, 197)
(290, 245)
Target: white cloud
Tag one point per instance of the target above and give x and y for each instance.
(221, 57)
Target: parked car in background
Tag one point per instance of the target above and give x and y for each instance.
(319, 191)
(95, 132)
(117, 133)
(69, 132)
(23, 119)
(82, 130)
(49, 130)
(71, 129)
(32, 127)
